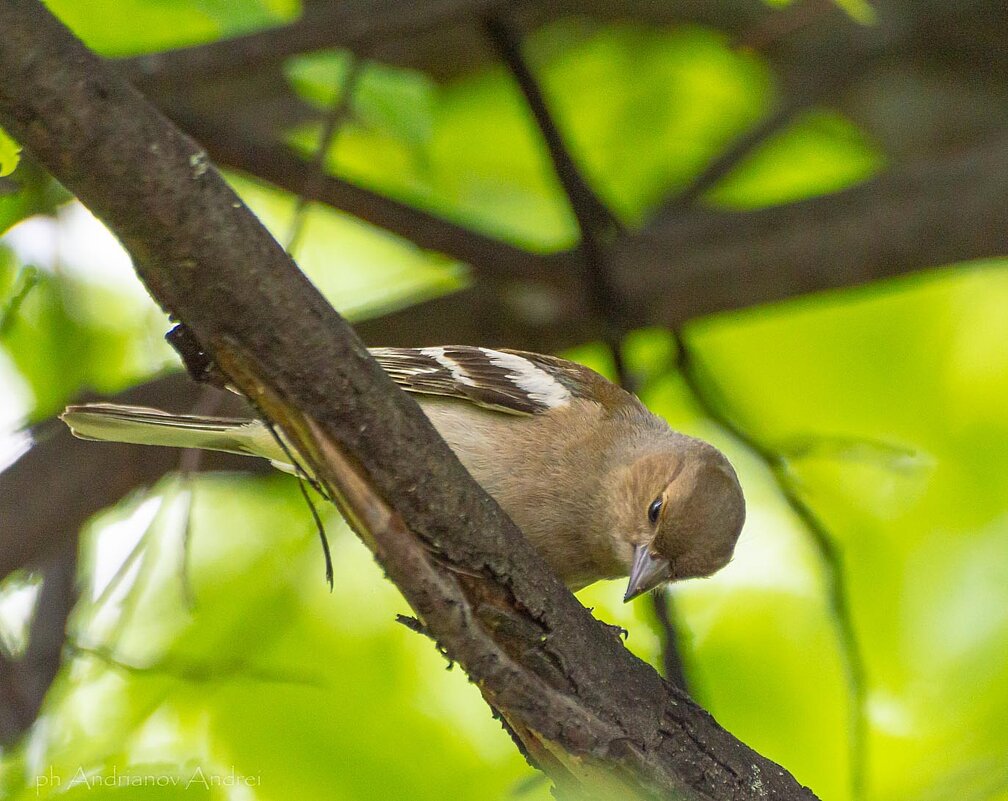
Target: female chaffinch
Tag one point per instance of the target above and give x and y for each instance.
(601, 487)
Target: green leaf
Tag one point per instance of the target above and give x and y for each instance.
(470, 150)
(859, 10)
(821, 152)
(28, 191)
(918, 366)
(129, 27)
(64, 335)
(10, 154)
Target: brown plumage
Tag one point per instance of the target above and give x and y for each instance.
(599, 485)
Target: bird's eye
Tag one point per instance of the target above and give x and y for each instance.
(654, 509)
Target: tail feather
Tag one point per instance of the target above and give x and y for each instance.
(137, 424)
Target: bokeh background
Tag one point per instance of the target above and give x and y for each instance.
(859, 637)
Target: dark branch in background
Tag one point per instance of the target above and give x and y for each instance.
(772, 28)
(664, 611)
(520, 315)
(907, 219)
(596, 224)
(801, 92)
(24, 681)
(606, 302)
(705, 392)
(733, 155)
(592, 215)
(596, 719)
(323, 25)
(409, 35)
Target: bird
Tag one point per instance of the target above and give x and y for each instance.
(600, 486)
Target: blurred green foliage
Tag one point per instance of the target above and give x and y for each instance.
(117, 28)
(885, 406)
(10, 154)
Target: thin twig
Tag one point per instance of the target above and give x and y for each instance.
(662, 604)
(592, 214)
(27, 278)
(596, 223)
(704, 391)
(803, 91)
(208, 403)
(339, 112)
(736, 151)
(607, 303)
(417, 626)
(747, 142)
(304, 478)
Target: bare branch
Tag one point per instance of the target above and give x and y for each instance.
(409, 34)
(322, 26)
(663, 606)
(591, 213)
(596, 223)
(26, 680)
(685, 265)
(339, 112)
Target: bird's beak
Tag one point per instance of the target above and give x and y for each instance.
(646, 573)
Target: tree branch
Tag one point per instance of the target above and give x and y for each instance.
(598, 228)
(591, 213)
(689, 263)
(27, 679)
(595, 718)
(596, 223)
(685, 265)
(340, 111)
(397, 31)
(322, 26)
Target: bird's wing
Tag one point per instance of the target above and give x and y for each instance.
(506, 380)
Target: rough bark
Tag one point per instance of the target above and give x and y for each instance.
(595, 718)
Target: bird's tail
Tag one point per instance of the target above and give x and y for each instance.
(136, 424)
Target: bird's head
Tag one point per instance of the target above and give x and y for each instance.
(687, 511)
